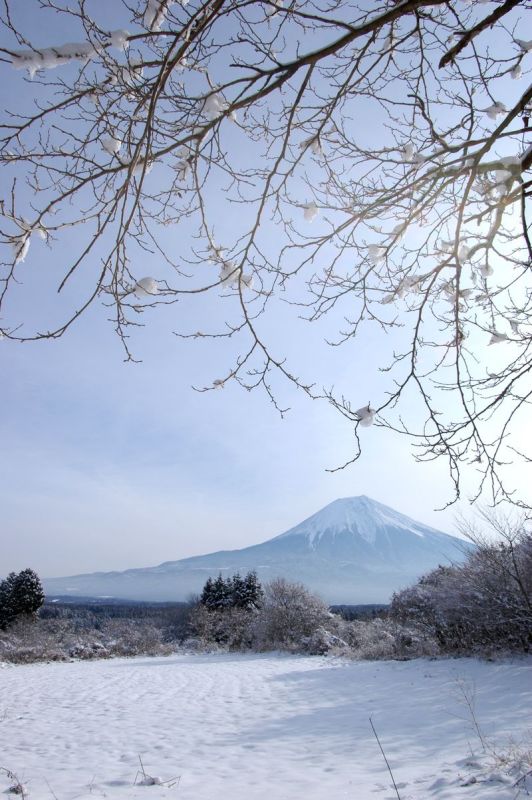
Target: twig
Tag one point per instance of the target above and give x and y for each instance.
(468, 696)
(52, 791)
(386, 760)
(522, 779)
(150, 780)
(17, 787)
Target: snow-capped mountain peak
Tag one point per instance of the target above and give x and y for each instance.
(355, 550)
(360, 516)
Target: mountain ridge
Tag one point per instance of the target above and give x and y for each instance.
(354, 550)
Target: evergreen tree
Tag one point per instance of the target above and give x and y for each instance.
(20, 594)
(7, 614)
(221, 593)
(253, 591)
(207, 593)
(239, 591)
(232, 592)
(28, 594)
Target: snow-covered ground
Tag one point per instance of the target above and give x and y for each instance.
(239, 727)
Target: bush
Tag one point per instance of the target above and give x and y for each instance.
(290, 614)
(230, 627)
(482, 605)
(64, 639)
(288, 617)
(382, 639)
(225, 611)
(322, 642)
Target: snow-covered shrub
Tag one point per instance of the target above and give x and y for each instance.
(323, 642)
(289, 616)
(228, 627)
(483, 605)
(380, 639)
(225, 611)
(63, 639)
(193, 644)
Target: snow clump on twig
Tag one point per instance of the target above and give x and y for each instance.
(52, 57)
(111, 145)
(365, 416)
(146, 287)
(310, 211)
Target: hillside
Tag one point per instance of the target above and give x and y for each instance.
(355, 550)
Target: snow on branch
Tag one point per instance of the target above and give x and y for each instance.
(368, 168)
(156, 11)
(52, 57)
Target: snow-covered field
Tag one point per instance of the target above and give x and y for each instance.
(256, 727)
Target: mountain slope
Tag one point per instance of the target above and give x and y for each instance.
(354, 550)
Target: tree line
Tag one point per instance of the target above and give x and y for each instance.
(483, 605)
(232, 592)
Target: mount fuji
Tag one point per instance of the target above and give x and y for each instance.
(355, 550)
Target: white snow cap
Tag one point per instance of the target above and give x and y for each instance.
(310, 211)
(486, 270)
(516, 72)
(496, 110)
(218, 383)
(183, 170)
(446, 245)
(525, 45)
(313, 144)
(411, 156)
(119, 39)
(502, 175)
(463, 253)
(408, 152)
(146, 287)
(214, 106)
(497, 338)
(217, 250)
(399, 230)
(20, 248)
(511, 161)
(362, 517)
(274, 7)
(151, 780)
(376, 253)
(365, 416)
(155, 14)
(111, 145)
(52, 57)
(229, 273)
(141, 167)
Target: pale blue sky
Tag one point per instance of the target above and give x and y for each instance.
(110, 465)
(107, 465)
